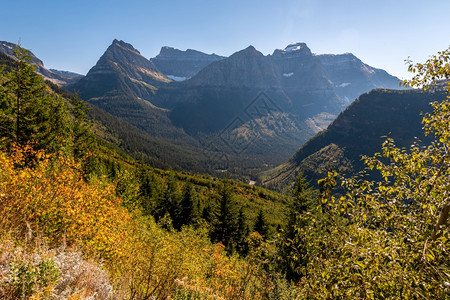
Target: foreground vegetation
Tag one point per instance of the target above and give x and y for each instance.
(79, 219)
(78, 197)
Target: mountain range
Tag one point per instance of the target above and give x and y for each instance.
(210, 109)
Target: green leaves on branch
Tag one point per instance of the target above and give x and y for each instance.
(386, 238)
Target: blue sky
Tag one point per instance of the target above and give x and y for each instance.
(72, 35)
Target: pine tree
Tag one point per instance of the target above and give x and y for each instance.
(28, 114)
(226, 223)
(242, 232)
(292, 251)
(149, 190)
(82, 139)
(301, 202)
(21, 99)
(261, 225)
(168, 204)
(187, 210)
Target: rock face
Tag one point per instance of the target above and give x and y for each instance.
(357, 131)
(351, 77)
(293, 80)
(247, 68)
(298, 68)
(181, 65)
(121, 69)
(60, 78)
(124, 83)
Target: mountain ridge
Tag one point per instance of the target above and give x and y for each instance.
(57, 77)
(180, 65)
(357, 131)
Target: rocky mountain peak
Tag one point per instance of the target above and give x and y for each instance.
(8, 48)
(246, 68)
(293, 49)
(116, 44)
(120, 53)
(121, 70)
(345, 58)
(297, 47)
(168, 51)
(180, 65)
(351, 77)
(249, 51)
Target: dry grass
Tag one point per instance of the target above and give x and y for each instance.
(36, 272)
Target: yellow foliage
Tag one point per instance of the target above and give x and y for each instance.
(50, 199)
(45, 197)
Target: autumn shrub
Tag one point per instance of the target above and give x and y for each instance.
(50, 199)
(185, 264)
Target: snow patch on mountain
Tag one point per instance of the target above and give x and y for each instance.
(177, 78)
(8, 46)
(293, 47)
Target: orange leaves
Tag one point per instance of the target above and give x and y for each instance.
(54, 200)
(235, 278)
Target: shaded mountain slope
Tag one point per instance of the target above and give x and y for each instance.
(357, 131)
(246, 96)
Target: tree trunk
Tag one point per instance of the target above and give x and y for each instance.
(443, 217)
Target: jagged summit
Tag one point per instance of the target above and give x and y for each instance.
(351, 77)
(248, 51)
(168, 52)
(180, 65)
(246, 68)
(130, 60)
(8, 48)
(121, 44)
(121, 70)
(293, 49)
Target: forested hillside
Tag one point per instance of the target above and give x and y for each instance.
(358, 131)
